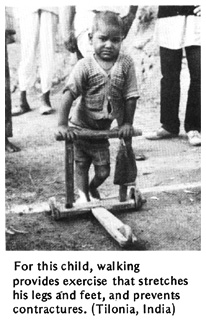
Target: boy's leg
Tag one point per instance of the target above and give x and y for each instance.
(101, 174)
(87, 152)
(101, 160)
(82, 180)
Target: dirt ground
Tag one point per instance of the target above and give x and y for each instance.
(170, 220)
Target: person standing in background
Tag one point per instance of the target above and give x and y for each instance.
(178, 28)
(38, 26)
(9, 147)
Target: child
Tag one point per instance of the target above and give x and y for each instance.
(107, 85)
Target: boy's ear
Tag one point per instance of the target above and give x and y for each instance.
(90, 36)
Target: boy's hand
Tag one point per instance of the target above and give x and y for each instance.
(126, 131)
(64, 132)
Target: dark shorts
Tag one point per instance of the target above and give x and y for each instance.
(96, 152)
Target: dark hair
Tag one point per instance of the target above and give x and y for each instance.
(108, 18)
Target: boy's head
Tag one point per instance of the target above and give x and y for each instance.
(106, 36)
(108, 18)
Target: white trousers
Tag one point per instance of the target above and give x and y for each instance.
(37, 30)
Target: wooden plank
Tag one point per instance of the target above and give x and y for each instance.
(80, 209)
(117, 229)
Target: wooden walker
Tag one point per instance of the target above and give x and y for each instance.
(119, 231)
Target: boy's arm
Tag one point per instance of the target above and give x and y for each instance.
(63, 129)
(126, 130)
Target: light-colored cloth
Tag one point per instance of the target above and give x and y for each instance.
(83, 23)
(103, 95)
(25, 11)
(37, 30)
(178, 31)
(38, 27)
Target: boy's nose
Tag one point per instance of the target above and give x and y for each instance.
(108, 43)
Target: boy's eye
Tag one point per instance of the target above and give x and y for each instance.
(103, 38)
(116, 39)
(113, 40)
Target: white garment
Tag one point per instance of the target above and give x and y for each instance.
(83, 23)
(25, 11)
(178, 31)
(37, 29)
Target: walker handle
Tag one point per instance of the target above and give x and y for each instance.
(93, 134)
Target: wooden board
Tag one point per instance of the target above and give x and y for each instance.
(112, 204)
(121, 232)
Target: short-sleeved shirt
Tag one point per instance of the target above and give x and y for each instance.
(102, 95)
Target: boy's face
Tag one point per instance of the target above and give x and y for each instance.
(106, 42)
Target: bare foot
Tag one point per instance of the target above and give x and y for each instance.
(23, 109)
(9, 147)
(45, 109)
(94, 193)
(82, 199)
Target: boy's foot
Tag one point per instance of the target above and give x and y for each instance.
(160, 134)
(83, 198)
(80, 201)
(94, 193)
(194, 138)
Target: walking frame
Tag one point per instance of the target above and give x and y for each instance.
(101, 209)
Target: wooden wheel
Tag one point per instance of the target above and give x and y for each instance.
(136, 195)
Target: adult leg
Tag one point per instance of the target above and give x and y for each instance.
(48, 22)
(193, 109)
(9, 147)
(171, 61)
(29, 29)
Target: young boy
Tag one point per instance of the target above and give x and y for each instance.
(106, 85)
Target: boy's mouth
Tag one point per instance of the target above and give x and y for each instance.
(106, 52)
